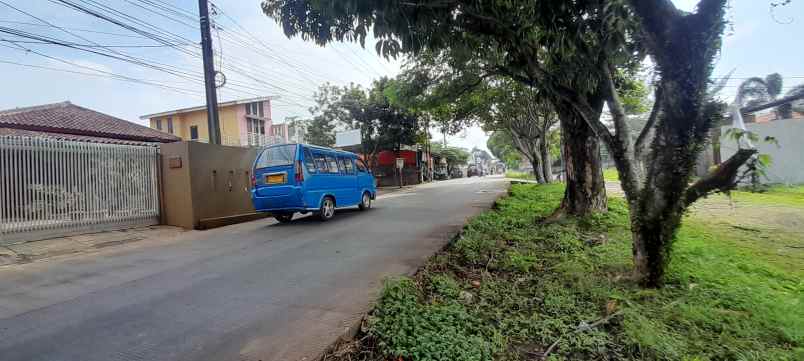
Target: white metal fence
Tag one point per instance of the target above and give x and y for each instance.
(250, 140)
(52, 187)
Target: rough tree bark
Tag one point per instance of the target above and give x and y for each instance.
(544, 149)
(547, 163)
(683, 46)
(526, 145)
(585, 188)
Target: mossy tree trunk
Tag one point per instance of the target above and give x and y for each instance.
(585, 188)
(683, 45)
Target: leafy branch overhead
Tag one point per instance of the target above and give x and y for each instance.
(577, 56)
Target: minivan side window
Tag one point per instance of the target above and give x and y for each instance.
(321, 163)
(361, 166)
(309, 161)
(332, 163)
(348, 168)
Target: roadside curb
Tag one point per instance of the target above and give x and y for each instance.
(33, 251)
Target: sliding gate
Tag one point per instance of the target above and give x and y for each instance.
(52, 187)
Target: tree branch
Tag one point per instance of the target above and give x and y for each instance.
(721, 179)
(639, 145)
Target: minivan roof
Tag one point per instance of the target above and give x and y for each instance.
(317, 147)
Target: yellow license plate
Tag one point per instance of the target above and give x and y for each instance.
(275, 179)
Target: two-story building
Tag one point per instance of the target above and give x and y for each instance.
(245, 122)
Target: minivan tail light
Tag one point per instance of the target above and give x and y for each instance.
(299, 172)
(253, 181)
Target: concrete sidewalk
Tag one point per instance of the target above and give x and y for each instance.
(42, 249)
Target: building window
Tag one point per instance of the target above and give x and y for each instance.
(256, 126)
(255, 109)
(194, 132)
(170, 125)
(158, 123)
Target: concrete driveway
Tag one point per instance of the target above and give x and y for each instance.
(254, 291)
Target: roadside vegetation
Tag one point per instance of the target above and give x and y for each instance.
(610, 175)
(515, 288)
(519, 175)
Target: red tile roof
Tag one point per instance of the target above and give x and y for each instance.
(69, 119)
(73, 137)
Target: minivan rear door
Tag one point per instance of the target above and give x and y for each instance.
(274, 170)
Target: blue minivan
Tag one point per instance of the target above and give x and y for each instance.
(290, 178)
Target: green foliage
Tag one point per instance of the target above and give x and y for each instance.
(519, 175)
(633, 92)
(412, 330)
(511, 286)
(611, 175)
(756, 167)
(455, 156)
(383, 125)
(500, 143)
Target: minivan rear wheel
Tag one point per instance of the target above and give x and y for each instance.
(327, 210)
(365, 202)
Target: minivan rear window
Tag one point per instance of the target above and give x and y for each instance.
(276, 156)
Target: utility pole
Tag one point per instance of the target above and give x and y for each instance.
(213, 123)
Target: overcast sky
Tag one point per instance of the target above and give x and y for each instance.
(258, 60)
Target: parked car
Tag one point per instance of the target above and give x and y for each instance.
(456, 173)
(473, 172)
(440, 174)
(291, 178)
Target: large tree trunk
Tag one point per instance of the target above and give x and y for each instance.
(585, 188)
(683, 46)
(547, 164)
(536, 162)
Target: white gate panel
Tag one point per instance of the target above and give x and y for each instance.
(53, 187)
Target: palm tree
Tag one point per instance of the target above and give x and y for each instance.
(756, 90)
(786, 110)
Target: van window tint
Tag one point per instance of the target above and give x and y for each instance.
(309, 162)
(341, 165)
(347, 166)
(333, 164)
(361, 166)
(276, 156)
(321, 163)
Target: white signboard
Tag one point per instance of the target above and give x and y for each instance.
(400, 163)
(347, 138)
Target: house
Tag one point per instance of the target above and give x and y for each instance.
(72, 122)
(245, 122)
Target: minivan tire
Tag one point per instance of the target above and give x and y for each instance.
(365, 201)
(327, 209)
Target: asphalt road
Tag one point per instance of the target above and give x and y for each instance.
(253, 291)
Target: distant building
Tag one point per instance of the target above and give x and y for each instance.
(72, 122)
(245, 122)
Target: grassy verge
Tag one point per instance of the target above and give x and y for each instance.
(611, 175)
(510, 288)
(519, 175)
(775, 195)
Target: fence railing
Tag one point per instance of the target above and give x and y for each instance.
(251, 140)
(52, 187)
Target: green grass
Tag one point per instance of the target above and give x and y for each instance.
(775, 195)
(519, 175)
(611, 175)
(509, 287)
